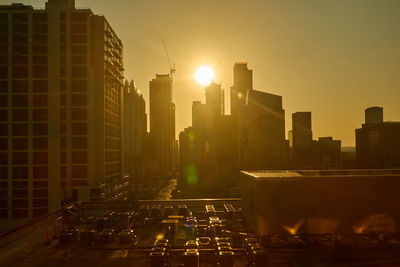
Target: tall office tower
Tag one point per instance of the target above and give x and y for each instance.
(135, 130)
(201, 116)
(215, 99)
(374, 115)
(263, 144)
(242, 83)
(61, 98)
(162, 124)
(377, 142)
(302, 139)
(326, 153)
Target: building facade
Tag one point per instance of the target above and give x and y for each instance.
(61, 78)
(162, 125)
(377, 142)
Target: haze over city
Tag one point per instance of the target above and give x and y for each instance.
(333, 58)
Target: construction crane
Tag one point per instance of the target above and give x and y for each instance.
(171, 67)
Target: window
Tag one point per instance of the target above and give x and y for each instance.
(79, 171)
(63, 172)
(78, 100)
(63, 143)
(3, 159)
(20, 158)
(40, 101)
(20, 100)
(20, 184)
(63, 157)
(40, 143)
(40, 158)
(3, 71)
(78, 16)
(20, 203)
(20, 86)
(78, 71)
(40, 71)
(20, 172)
(3, 101)
(20, 213)
(63, 71)
(79, 143)
(3, 115)
(39, 60)
(63, 85)
(20, 129)
(63, 27)
(40, 203)
(81, 60)
(78, 49)
(20, 143)
(63, 114)
(39, 86)
(79, 128)
(63, 59)
(79, 157)
(63, 128)
(40, 172)
(78, 39)
(20, 72)
(20, 115)
(78, 86)
(63, 100)
(40, 193)
(3, 129)
(78, 28)
(79, 114)
(40, 129)
(40, 114)
(20, 17)
(40, 184)
(4, 86)
(3, 144)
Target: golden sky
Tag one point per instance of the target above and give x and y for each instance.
(331, 57)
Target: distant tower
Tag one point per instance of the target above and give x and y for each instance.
(242, 83)
(215, 99)
(302, 133)
(374, 115)
(162, 123)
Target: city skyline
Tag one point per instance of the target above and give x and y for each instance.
(355, 53)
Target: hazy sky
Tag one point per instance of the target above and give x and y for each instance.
(331, 57)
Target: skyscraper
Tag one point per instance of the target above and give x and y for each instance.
(135, 131)
(377, 142)
(61, 75)
(162, 124)
(215, 99)
(302, 139)
(242, 83)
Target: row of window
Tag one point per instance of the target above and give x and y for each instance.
(23, 184)
(39, 143)
(21, 172)
(21, 158)
(21, 129)
(21, 86)
(22, 115)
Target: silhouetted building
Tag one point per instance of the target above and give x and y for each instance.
(242, 83)
(377, 142)
(135, 130)
(201, 116)
(326, 153)
(162, 125)
(61, 79)
(374, 115)
(215, 99)
(263, 144)
(302, 139)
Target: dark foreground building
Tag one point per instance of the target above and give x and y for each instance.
(61, 82)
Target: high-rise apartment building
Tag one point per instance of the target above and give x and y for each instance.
(162, 124)
(61, 79)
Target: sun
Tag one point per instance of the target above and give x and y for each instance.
(204, 75)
